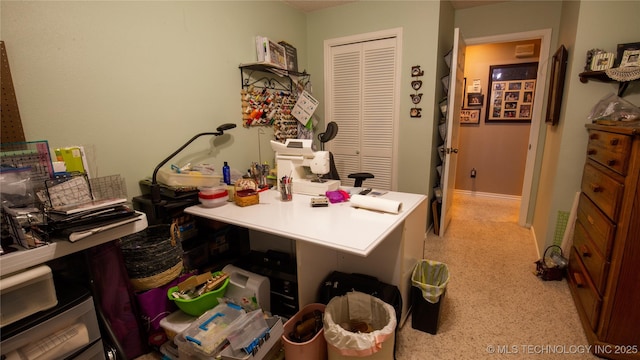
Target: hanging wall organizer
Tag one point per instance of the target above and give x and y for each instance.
(268, 96)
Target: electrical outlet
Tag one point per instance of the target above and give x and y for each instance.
(473, 173)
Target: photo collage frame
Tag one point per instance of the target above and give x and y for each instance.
(512, 89)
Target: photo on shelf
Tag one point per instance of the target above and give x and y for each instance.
(621, 48)
(602, 61)
(475, 99)
(630, 58)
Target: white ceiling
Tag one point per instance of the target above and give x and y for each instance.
(308, 6)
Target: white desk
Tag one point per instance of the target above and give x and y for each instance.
(338, 237)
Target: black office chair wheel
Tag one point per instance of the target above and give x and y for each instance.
(360, 177)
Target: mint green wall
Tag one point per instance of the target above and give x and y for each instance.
(419, 21)
(132, 81)
(568, 142)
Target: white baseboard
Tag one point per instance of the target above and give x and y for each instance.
(488, 195)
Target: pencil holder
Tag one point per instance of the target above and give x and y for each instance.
(286, 193)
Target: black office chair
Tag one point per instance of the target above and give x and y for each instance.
(330, 132)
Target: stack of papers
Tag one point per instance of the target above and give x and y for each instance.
(78, 221)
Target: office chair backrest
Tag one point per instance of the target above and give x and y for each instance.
(330, 132)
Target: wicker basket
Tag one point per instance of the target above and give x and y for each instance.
(155, 281)
(247, 197)
(152, 257)
(246, 192)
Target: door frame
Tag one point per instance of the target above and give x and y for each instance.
(537, 119)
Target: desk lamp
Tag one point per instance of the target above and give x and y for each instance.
(155, 187)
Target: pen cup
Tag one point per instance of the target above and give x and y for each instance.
(285, 191)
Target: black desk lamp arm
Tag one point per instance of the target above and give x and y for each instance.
(155, 188)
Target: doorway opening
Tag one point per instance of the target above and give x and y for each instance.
(531, 146)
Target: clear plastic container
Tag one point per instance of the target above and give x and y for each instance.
(247, 331)
(208, 334)
(193, 178)
(213, 196)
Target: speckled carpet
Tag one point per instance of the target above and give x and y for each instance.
(494, 306)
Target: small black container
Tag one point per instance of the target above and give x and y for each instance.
(425, 315)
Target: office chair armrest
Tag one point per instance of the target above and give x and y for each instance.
(360, 177)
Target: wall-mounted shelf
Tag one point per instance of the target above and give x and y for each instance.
(603, 77)
(262, 80)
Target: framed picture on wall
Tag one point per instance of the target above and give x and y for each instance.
(511, 92)
(558, 70)
(470, 116)
(475, 99)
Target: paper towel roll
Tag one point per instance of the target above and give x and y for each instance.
(376, 203)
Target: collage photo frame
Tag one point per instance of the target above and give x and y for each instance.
(511, 92)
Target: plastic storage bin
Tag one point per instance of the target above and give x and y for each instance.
(208, 334)
(248, 331)
(175, 323)
(267, 350)
(199, 305)
(193, 178)
(26, 293)
(429, 280)
(314, 349)
(213, 196)
(61, 332)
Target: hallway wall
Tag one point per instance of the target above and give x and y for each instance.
(496, 150)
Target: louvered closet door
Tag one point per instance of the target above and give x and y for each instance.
(362, 87)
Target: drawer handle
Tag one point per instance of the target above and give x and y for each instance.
(590, 220)
(611, 162)
(585, 251)
(614, 141)
(592, 151)
(594, 136)
(578, 278)
(595, 188)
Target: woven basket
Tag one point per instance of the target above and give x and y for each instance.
(247, 197)
(155, 281)
(246, 192)
(151, 252)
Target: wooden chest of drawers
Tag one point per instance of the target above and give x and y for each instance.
(604, 264)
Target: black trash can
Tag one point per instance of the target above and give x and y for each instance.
(429, 280)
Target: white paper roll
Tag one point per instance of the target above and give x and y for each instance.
(376, 203)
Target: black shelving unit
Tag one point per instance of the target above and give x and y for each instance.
(269, 77)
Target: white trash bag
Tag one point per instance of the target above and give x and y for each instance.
(356, 310)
